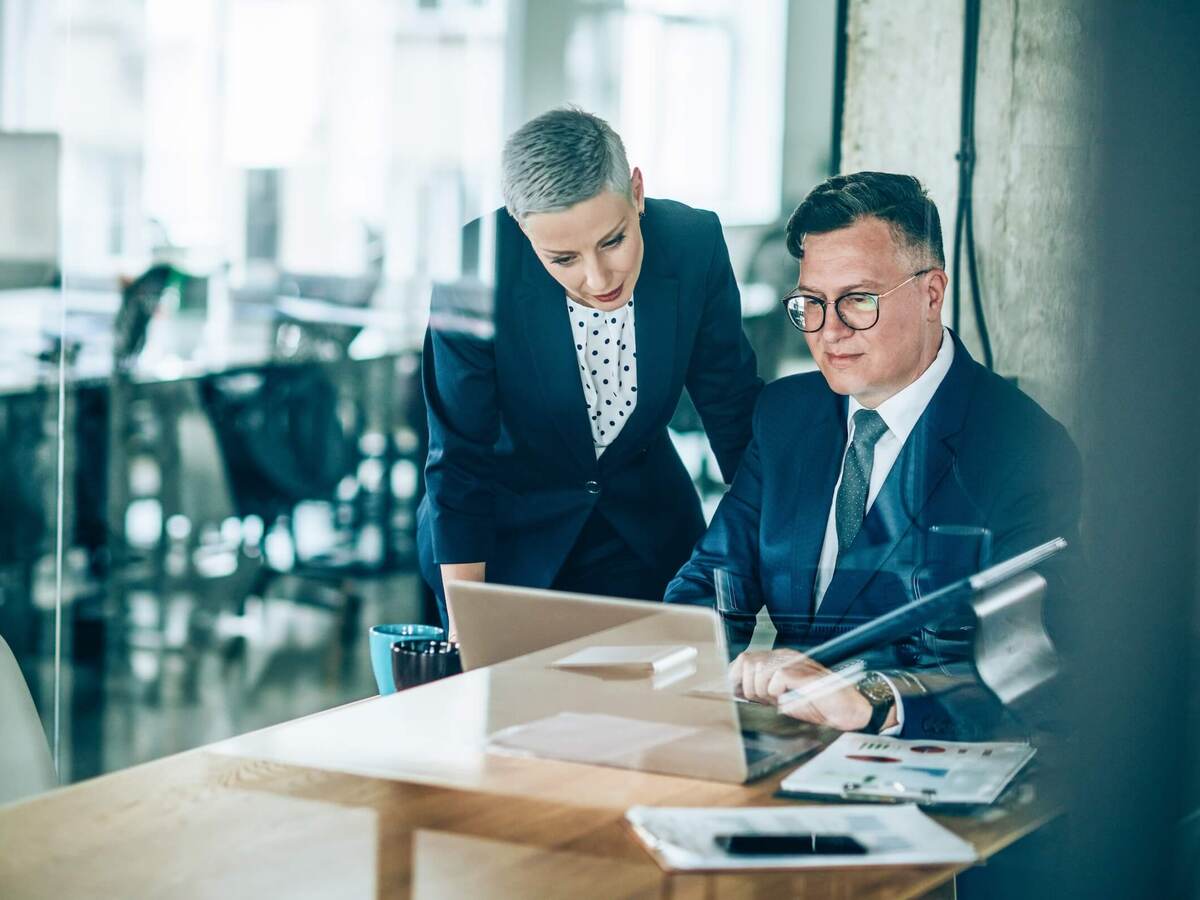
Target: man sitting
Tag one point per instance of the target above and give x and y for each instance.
(889, 472)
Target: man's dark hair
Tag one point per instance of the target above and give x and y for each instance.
(842, 200)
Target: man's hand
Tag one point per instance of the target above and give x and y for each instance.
(808, 691)
(803, 689)
(753, 670)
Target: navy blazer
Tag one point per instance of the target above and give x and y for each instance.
(982, 454)
(512, 473)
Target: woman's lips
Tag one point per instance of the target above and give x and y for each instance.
(610, 296)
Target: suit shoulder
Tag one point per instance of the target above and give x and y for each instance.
(676, 215)
(684, 230)
(794, 391)
(680, 241)
(498, 217)
(1013, 420)
(504, 226)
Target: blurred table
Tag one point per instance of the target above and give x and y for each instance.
(396, 796)
(180, 344)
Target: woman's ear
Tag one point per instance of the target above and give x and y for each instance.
(639, 190)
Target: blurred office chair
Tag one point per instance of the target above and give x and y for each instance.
(163, 427)
(771, 273)
(25, 764)
(25, 497)
(280, 443)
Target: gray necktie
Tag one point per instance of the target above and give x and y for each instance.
(856, 476)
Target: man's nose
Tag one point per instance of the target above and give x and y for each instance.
(834, 328)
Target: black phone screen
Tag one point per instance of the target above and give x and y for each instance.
(790, 844)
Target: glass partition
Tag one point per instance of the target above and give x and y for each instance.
(215, 287)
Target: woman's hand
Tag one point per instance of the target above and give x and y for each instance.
(460, 572)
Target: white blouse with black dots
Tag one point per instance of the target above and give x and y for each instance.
(607, 353)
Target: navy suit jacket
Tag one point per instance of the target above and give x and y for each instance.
(982, 454)
(512, 473)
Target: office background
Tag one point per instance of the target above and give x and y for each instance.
(222, 223)
(221, 220)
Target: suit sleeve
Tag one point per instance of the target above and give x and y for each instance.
(1039, 499)
(722, 377)
(726, 557)
(459, 379)
(1042, 501)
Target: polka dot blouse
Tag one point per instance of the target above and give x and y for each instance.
(604, 345)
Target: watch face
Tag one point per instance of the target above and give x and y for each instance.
(879, 694)
(876, 690)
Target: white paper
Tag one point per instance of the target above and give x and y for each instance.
(685, 837)
(641, 658)
(865, 765)
(718, 688)
(588, 737)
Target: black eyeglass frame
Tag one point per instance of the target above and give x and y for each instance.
(837, 304)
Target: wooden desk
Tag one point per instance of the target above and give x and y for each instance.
(395, 796)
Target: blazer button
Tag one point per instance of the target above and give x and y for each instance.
(592, 487)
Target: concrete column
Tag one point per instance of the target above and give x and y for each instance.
(1035, 114)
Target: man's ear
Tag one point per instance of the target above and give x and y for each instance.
(935, 293)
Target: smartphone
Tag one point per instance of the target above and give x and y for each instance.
(790, 844)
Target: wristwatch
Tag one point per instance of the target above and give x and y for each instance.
(879, 694)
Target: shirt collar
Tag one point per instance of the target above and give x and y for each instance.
(902, 410)
(619, 313)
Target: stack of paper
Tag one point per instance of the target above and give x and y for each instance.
(632, 660)
(866, 766)
(595, 738)
(685, 839)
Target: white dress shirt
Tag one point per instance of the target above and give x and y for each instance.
(900, 414)
(606, 349)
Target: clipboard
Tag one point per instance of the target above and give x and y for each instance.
(860, 768)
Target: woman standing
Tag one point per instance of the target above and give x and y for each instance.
(549, 459)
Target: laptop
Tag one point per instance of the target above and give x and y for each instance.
(541, 704)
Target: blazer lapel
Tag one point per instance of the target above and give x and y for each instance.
(543, 307)
(923, 463)
(818, 450)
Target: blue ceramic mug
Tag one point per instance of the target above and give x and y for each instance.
(383, 636)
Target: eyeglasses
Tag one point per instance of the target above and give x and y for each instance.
(858, 310)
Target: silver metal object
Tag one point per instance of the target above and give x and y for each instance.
(1013, 654)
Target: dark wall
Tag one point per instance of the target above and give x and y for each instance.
(1133, 700)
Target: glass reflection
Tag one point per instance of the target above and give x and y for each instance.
(231, 214)
(583, 700)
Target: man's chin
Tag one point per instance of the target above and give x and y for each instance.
(841, 382)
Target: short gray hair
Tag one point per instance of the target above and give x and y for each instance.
(561, 158)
